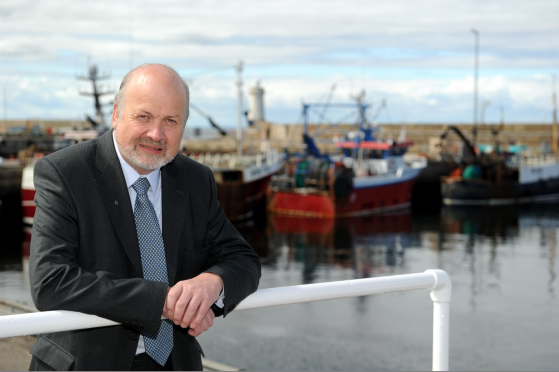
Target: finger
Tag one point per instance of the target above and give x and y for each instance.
(192, 311)
(204, 307)
(197, 331)
(164, 312)
(210, 318)
(206, 324)
(172, 295)
(182, 306)
(185, 321)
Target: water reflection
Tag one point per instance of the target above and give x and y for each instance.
(481, 241)
(505, 233)
(478, 240)
(366, 245)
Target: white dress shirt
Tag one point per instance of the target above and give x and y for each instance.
(154, 196)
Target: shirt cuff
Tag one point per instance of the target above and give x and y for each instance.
(220, 299)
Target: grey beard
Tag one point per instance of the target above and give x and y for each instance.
(143, 161)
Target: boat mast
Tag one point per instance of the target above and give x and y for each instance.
(239, 69)
(476, 78)
(554, 130)
(4, 122)
(94, 76)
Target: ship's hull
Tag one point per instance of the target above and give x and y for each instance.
(28, 205)
(370, 195)
(238, 198)
(481, 192)
(28, 196)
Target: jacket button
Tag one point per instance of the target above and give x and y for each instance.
(134, 336)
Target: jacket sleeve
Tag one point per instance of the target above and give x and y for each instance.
(230, 256)
(59, 283)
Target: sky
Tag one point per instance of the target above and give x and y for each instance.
(416, 56)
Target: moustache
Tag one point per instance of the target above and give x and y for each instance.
(146, 141)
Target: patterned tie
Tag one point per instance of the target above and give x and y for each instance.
(154, 265)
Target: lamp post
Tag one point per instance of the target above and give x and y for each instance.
(554, 128)
(476, 77)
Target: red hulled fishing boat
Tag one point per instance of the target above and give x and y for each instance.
(367, 176)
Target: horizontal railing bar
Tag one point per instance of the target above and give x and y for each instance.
(334, 290)
(61, 320)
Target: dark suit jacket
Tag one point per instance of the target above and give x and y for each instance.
(85, 255)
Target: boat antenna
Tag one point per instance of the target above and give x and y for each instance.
(476, 87)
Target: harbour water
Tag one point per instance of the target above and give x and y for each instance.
(504, 312)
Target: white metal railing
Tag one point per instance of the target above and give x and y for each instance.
(437, 281)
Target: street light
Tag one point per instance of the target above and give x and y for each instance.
(554, 128)
(476, 77)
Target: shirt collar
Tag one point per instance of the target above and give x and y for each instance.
(130, 174)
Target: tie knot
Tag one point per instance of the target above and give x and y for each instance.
(141, 186)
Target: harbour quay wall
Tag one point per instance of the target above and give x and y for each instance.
(533, 135)
(56, 126)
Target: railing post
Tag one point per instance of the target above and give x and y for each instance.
(441, 294)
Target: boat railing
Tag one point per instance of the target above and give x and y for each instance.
(233, 160)
(286, 182)
(538, 159)
(415, 161)
(437, 281)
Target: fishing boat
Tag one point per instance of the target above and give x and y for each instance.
(507, 179)
(494, 176)
(241, 180)
(498, 177)
(367, 176)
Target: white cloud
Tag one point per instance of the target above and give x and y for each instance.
(285, 31)
(44, 43)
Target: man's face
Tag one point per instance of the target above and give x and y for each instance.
(149, 132)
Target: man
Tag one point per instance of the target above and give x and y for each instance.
(128, 230)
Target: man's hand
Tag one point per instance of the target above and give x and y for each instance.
(188, 302)
(207, 322)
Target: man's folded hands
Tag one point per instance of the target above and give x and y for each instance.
(188, 302)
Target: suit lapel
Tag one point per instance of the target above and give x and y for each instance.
(174, 210)
(112, 189)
